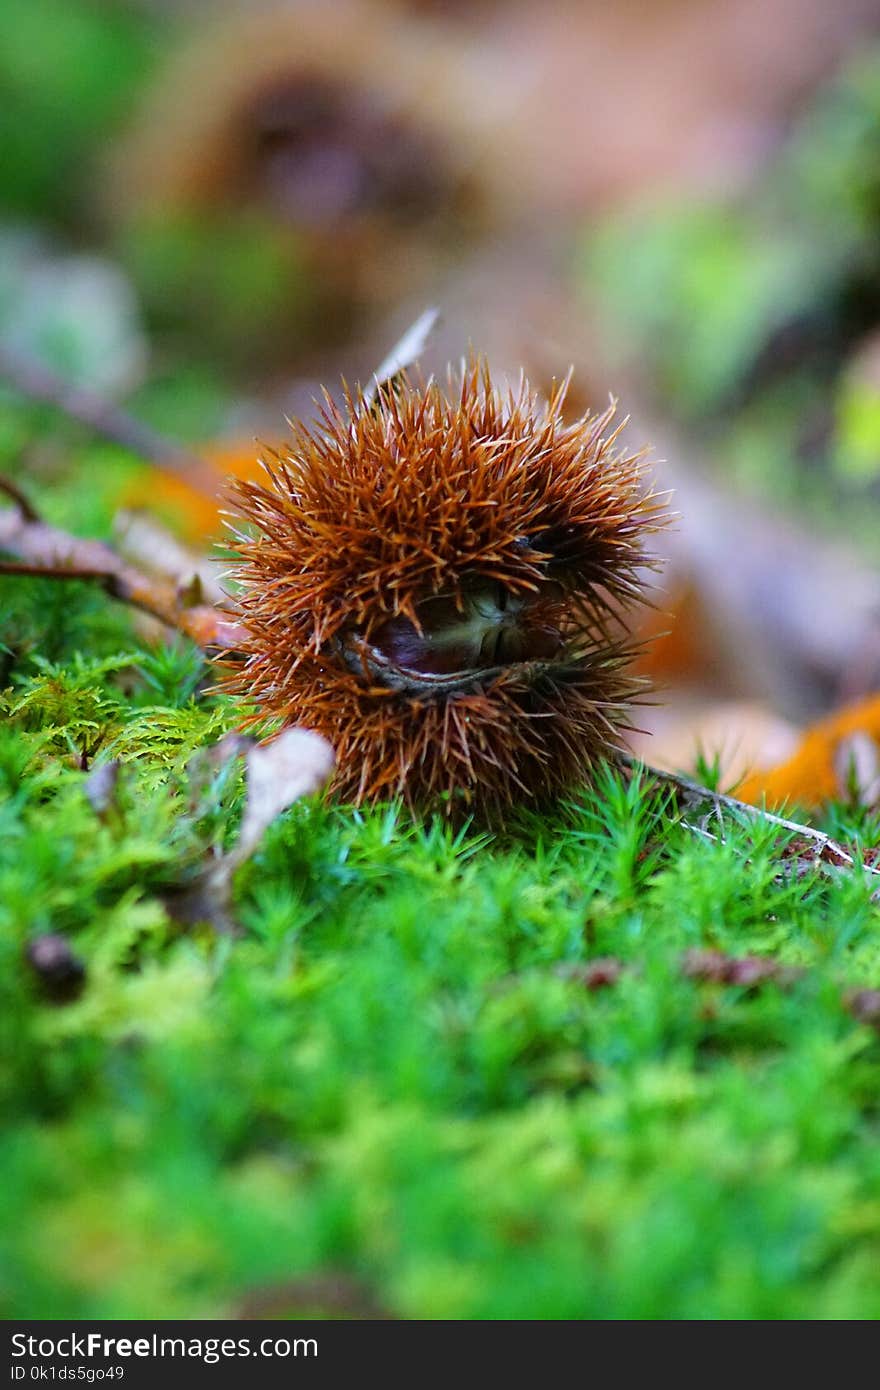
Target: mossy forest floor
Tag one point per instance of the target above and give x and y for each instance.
(401, 1090)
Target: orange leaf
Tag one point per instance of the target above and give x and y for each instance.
(817, 772)
(189, 510)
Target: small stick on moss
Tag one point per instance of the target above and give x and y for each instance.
(703, 811)
(45, 552)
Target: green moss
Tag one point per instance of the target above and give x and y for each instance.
(396, 1073)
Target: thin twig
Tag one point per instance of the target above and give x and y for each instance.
(702, 808)
(25, 506)
(101, 417)
(43, 551)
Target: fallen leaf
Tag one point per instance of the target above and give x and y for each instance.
(811, 776)
(857, 768)
(739, 735)
(192, 506)
(294, 764)
(101, 788)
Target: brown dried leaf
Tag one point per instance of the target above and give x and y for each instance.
(294, 764)
(594, 974)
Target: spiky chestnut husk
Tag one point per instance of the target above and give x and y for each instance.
(437, 581)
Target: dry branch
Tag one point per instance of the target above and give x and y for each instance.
(103, 418)
(44, 551)
(703, 812)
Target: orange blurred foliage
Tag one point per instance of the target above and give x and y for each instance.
(188, 510)
(815, 774)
